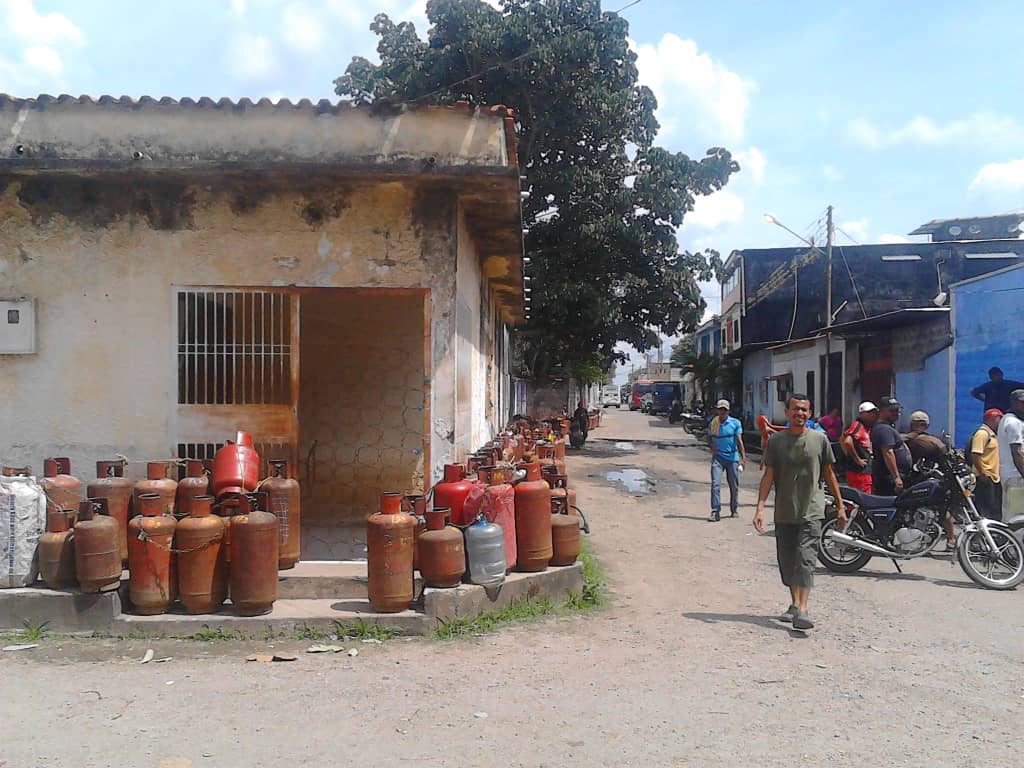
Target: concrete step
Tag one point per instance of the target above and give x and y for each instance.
(314, 579)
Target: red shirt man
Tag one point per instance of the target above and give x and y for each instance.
(856, 443)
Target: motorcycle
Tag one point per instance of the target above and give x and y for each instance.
(909, 525)
(694, 424)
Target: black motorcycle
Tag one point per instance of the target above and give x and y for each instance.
(909, 525)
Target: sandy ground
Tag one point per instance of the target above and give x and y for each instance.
(686, 668)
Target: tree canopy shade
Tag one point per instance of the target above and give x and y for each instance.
(604, 203)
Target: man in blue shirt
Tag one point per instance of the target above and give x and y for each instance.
(728, 456)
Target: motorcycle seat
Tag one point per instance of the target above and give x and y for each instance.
(866, 500)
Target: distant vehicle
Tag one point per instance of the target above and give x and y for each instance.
(640, 388)
(662, 395)
(610, 396)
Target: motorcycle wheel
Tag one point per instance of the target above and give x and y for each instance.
(1003, 569)
(837, 557)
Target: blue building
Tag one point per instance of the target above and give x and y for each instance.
(988, 330)
(707, 339)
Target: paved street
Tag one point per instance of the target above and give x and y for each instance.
(686, 668)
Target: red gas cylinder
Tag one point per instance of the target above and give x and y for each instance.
(112, 485)
(533, 521)
(283, 500)
(97, 556)
(442, 552)
(62, 490)
(451, 492)
(202, 565)
(499, 506)
(57, 549)
(389, 556)
(254, 555)
(159, 483)
(236, 467)
(150, 537)
(195, 483)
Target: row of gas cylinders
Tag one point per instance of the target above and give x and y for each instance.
(478, 529)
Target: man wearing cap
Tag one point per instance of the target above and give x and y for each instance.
(856, 444)
(984, 450)
(728, 456)
(926, 446)
(891, 460)
(1011, 452)
(995, 392)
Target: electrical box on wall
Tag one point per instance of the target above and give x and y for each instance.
(17, 326)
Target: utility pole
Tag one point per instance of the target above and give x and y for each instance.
(823, 408)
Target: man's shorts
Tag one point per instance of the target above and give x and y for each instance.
(859, 480)
(796, 546)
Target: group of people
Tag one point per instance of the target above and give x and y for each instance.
(798, 459)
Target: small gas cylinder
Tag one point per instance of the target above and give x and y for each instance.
(389, 536)
(559, 492)
(533, 521)
(254, 555)
(159, 483)
(236, 467)
(62, 490)
(485, 551)
(57, 549)
(416, 505)
(97, 554)
(195, 483)
(202, 565)
(112, 485)
(442, 552)
(283, 500)
(499, 507)
(150, 538)
(451, 492)
(565, 538)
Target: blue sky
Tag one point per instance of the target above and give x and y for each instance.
(895, 113)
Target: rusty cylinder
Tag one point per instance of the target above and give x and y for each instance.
(565, 538)
(57, 549)
(254, 554)
(202, 563)
(416, 505)
(283, 500)
(112, 485)
(150, 539)
(195, 483)
(97, 554)
(62, 490)
(159, 483)
(533, 521)
(442, 552)
(389, 535)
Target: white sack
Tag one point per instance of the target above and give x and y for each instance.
(22, 522)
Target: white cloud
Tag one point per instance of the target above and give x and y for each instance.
(694, 90)
(1000, 177)
(890, 239)
(45, 59)
(711, 211)
(239, 7)
(251, 57)
(30, 26)
(752, 161)
(981, 127)
(302, 29)
(856, 229)
(831, 173)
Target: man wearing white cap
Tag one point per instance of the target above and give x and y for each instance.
(856, 444)
(728, 456)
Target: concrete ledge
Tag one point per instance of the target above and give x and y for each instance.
(470, 600)
(63, 610)
(310, 580)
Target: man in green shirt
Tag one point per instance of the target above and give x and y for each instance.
(796, 461)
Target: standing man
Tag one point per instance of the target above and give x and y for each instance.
(995, 393)
(727, 455)
(984, 450)
(924, 445)
(856, 443)
(891, 461)
(796, 461)
(1011, 451)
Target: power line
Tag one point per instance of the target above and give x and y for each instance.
(849, 237)
(853, 282)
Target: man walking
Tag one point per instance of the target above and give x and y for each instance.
(727, 456)
(891, 461)
(1011, 452)
(856, 444)
(995, 393)
(796, 461)
(984, 450)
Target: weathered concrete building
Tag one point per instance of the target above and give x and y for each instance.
(339, 281)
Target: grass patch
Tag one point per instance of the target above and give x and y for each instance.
(211, 634)
(595, 585)
(306, 632)
(362, 630)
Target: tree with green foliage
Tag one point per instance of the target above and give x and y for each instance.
(681, 352)
(605, 201)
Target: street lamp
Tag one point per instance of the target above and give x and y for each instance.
(770, 219)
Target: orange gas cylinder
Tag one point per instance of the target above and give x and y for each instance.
(559, 493)
(416, 505)
(57, 549)
(159, 483)
(195, 483)
(565, 538)
(254, 555)
(389, 555)
(283, 499)
(112, 485)
(451, 492)
(97, 554)
(533, 521)
(442, 552)
(236, 467)
(499, 506)
(202, 564)
(150, 537)
(62, 490)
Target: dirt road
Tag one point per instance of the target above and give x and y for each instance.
(686, 668)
